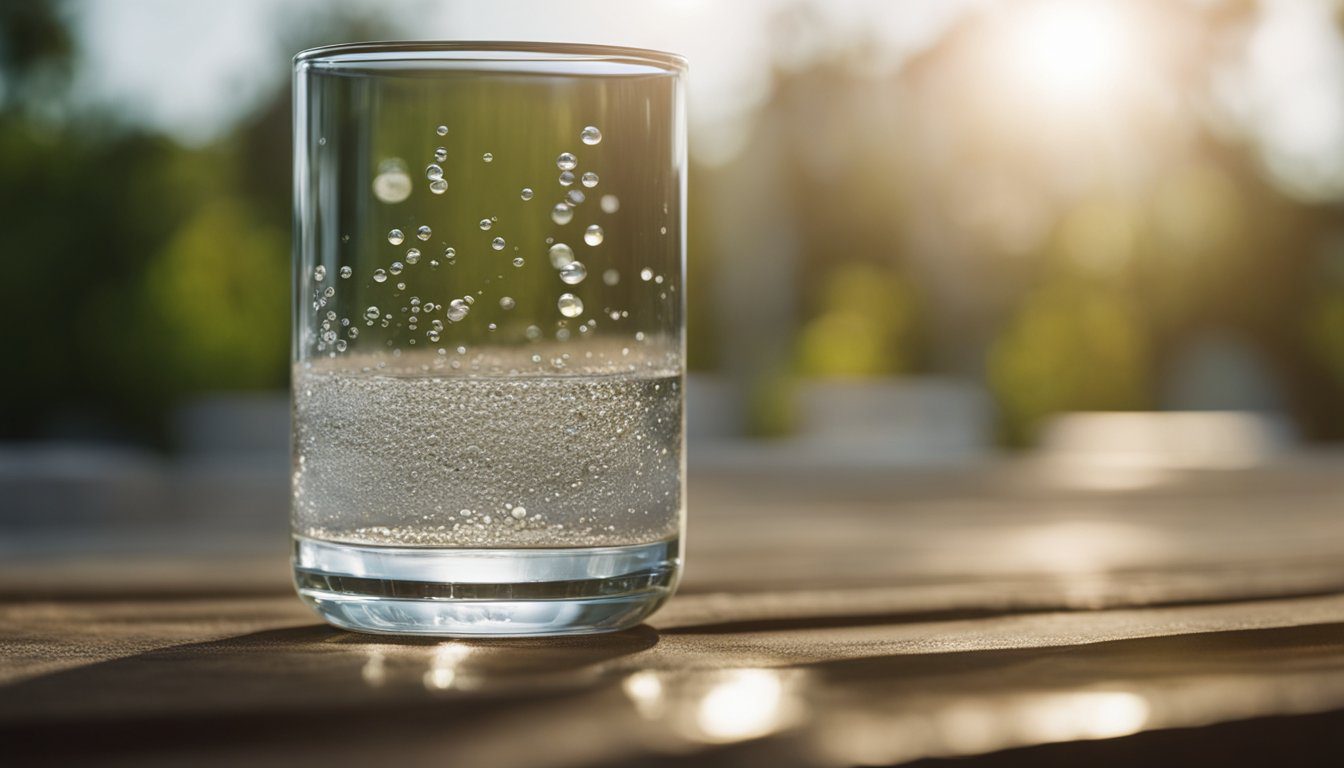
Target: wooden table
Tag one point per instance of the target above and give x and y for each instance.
(828, 617)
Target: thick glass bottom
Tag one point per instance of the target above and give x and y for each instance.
(485, 592)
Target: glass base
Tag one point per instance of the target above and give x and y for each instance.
(485, 592)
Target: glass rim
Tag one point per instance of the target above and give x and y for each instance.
(485, 52)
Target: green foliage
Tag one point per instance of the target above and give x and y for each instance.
(1070, 348)
(864, 327)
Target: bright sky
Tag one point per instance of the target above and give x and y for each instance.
(192, 68)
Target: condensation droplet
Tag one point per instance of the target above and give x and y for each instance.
(562, 213)
(457, 310)
(561, 255)
(433, 172)
(569, 305)
(438, 186)
(646, 274)
(566, 178)
(593, 235)
(573, 273)
(507, 302)
(379, 276)
(392, 184)
(610, 204)
(486, 224)
(442, 130)
(566, 161)
(319, 273)
(412, 256)
(588, 179)
(346, 271)
(590, 135)
(526, 193)
(497, 243)
(396, 237)
(611, 277)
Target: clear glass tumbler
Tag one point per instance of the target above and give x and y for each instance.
(488, 336)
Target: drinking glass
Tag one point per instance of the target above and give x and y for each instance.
(488, 336)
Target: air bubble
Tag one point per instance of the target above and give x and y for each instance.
(396, 268)
(518, 513)
(396, 237)
(610, 204)
(569, 305)
(319, 273)
(433, 172)
(438, 186)
(424, 232)
(526, 193)
(497, 243)
(401, 286)
(593, 235)
(518, 261)
(379, 276)
(646, 274)
(507, 302)
(566, 178)
(487, 157)
(590, 136)
(449, 252)
(486, 224)
(575, 196)
(533, 333)
(372, 313)
(346, 271)
(611, 277)
(588, 179)
(442, 130)
(566, 161)
(562, 213)
(573, 273)
(457, 310)
(561, 255)
(413, 255)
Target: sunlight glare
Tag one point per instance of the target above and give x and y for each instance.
(1065, 52)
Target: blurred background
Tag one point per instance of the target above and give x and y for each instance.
(1100, 234)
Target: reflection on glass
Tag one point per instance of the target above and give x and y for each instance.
(721, 706)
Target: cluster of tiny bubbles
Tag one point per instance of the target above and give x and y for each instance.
(433, 172)
(518, 261)
(561, 255)
(395, 268)
(457, 310)
(442, 130)
(507, 302)
(319, 273)
(487, 157)
(566, 178)
(566, 161)
(562, 213)
(424, 232)
(611, 277)
(497, 243)
(346, 271)
(396, 237)
(575, 196)
(438, 186)
(569, 305)
(486, 224)
(590, 135)
(593, 235)
(372, 313)
(379, 276)
(441, 154)
(526, 193)
(588, 179)
(392, 184)
(610, 204)
(646, 274)
(412, 256)
(573, 273)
